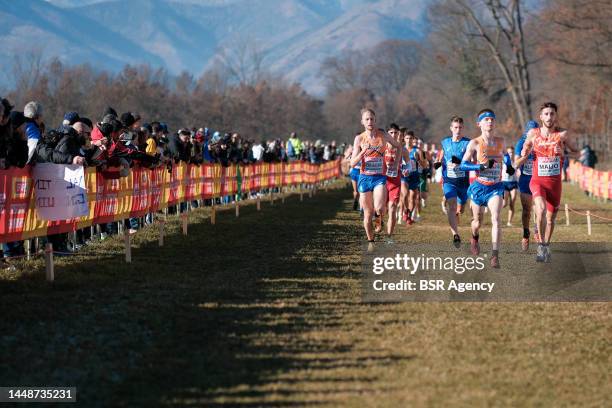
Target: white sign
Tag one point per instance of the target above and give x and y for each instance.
(60, 192)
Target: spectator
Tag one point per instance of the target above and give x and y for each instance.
(588, 157)
(258, 151)
(179, 148)
(294, 147)
(33, 113)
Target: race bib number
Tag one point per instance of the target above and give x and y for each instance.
(391, 172)
(374, 166)
(491, 175)
(413, 165)
(528, 167)
(549, 166)
(453, 172)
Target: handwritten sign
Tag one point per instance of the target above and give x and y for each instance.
(59, 191)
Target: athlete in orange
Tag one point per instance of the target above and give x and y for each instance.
(369, 150)
(547, 144)
(487, 190)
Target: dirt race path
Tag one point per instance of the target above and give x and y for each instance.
(265, 310)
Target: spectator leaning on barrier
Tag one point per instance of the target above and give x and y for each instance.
(179, 148)
(33, 113)
(13, 141)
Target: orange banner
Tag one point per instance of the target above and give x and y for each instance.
(145, 191)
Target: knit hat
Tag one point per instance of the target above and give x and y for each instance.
(70, 118)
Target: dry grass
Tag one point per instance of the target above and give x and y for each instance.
(265, 310)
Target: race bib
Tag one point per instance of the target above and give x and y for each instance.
(413, 165)
(549, 166)
(374, 166)
(491, 175)
(454, 172)
(528, 167)
(391, 172)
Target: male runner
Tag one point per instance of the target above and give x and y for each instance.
(393, 160)
(369, 150)
(487, 190)
(510, 185)
(547, 144)
(455, 181)
(410, 176)
(425, 174)
(525, 165)
(354, 175)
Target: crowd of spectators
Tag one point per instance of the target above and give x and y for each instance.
(118, 142)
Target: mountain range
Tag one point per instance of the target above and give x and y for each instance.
(293, 36)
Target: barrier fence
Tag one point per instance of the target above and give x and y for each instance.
(145, 191)
(597, 183)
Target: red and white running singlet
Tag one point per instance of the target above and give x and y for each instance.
(393, 159)
(548, 155)
(373, 162)
(494, 150)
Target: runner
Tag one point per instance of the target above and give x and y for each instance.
(455, 181)
(410, 177)
(547, 144)
(424, 174)
(525, 165)
(369, 150)
(393, 160)
(487, 190)
(510, 185)
(354, 175)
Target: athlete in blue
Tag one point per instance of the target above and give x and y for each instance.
(455, 181)
(411, 176)
(526, 168)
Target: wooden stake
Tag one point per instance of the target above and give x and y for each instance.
(128, 246)
(282, 195)
(28, 244)
(237, 208)
(49, 272)
(161, 232)
(301, 194)
(184, 220)
(589, 221)
(213, 215)
(567, 221)
(258, 202)
(271, 197)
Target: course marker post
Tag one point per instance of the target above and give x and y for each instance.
(128, 246)
(27, 244)
(589, 221)
(237, 208)
(258, 202)
(184, 222)
(161, 232)
(567, 221)
(49, 272)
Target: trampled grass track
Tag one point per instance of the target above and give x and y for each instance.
(265, 310)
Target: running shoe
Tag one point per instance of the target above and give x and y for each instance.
(547, 254)
(525, 244)
(474, 246)
(405, 217)
(508, 224)
(495, 261)
(417, 219)
(378, 223)
(540, 253)
(409, 221)
(423, 203)
(456, 241)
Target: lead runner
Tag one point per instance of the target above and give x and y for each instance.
(547, 144)
(369, 149)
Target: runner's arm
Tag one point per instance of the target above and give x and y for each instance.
(357, 152)
(528, 146)
(392, 141)
(466, 163)
(438, 162)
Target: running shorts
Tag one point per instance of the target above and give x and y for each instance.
(523, 184)
(394, 188)
(354, 173)
(549, 190)
(480, 194)
(510, 185)
(455, 191)
(368, 183)
(412, 180)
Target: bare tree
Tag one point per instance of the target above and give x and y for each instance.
(242, 58)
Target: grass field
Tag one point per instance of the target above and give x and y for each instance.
(265, 310)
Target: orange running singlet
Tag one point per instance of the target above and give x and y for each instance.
(373, 162)
(494, 150)
(548, 154)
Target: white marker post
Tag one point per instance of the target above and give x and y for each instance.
(589, 222)
(567, 221)
(128, 246)
(49, 272)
